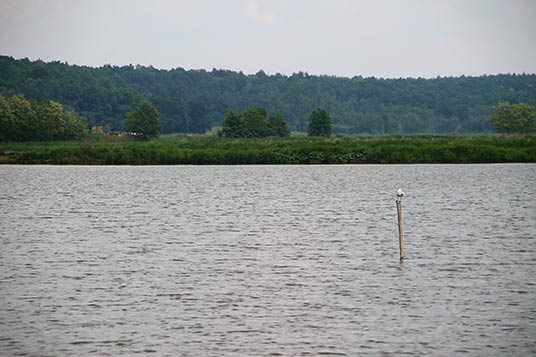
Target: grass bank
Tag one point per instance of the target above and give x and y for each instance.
(211, 150)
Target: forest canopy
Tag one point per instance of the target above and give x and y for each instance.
(193, 101)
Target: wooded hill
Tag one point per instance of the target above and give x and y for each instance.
(196, 100)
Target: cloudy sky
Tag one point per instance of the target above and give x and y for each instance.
(383, 38)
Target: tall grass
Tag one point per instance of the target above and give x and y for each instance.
(212, 150)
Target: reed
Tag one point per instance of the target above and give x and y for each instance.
(213, 150)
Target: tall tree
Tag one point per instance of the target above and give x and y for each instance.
(144, 120)
(514, 118)
(319, 123)
(278, 126)
(232, 126)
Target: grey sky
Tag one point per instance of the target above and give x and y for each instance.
(340, 37)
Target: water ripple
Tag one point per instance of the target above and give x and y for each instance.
(267, 260)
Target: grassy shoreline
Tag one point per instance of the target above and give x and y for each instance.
(211, 150)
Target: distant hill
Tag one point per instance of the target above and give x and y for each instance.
(196, 100)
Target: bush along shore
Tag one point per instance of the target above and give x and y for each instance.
(212, 150)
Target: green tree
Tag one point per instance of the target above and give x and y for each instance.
(253, 123)
(144, 120)
(8, 125)
(24, 128)
(278, 126)
(514, 118)
(24, 120)
(232, 126)
(319, 123)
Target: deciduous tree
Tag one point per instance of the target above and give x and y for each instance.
(319, 123)
(514, 118)
(144, 120)
(253, 123)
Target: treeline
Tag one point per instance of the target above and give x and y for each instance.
(194, 101)
(26, 120)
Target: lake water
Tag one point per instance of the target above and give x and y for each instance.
(267, 260)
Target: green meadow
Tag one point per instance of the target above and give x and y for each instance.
(213, 150)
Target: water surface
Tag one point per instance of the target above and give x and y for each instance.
(267, 260)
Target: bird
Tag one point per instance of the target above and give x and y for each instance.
(400, 193)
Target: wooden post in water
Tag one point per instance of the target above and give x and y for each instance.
(399, 195)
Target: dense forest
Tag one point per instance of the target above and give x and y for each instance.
(197, 100)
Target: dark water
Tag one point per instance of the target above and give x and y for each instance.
(267, 260)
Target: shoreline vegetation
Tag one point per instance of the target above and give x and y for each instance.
(214, 150)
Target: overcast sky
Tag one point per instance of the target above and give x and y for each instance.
(393, 38)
